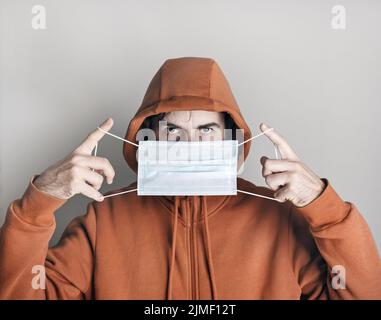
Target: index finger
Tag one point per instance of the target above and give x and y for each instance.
(92, 139)
(284, 148)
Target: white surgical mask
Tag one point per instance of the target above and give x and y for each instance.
(188, 168)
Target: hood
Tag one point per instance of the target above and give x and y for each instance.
(188, 83)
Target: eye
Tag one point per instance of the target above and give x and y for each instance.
(206, 130)
(172, 130)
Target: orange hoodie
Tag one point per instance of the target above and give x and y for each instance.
(189, 247)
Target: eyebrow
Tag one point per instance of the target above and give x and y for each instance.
(206, 125)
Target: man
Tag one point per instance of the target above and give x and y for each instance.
(188, 247)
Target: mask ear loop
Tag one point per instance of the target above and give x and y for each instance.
(256, 136)
(277, 156)
(95, 153)
(136, 145)
(115, 136)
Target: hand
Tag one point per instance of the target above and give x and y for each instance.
(291, 179)
(79, 172)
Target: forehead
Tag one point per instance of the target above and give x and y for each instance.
(195, 117)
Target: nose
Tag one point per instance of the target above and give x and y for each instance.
(195, 136)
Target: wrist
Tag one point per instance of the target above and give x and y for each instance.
(327, 208)
(37, 207)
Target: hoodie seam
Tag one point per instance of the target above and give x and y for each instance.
(161, 83)
(183, 96)
(211, 214)
(188, 264)
(29, 223)
(95, 235)
(210, 79)
(218, 208)
(169, 212)
(197, 273)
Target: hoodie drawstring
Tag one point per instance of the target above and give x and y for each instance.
(208, 249)
(174, 236)
(207, 246)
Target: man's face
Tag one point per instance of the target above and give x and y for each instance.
(196, 125)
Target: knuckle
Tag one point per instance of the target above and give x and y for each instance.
(68, 192)
(297, 165)
(293, 175)
(96, 186)
(266, 173)
(99, 182)
(108, 163)
(280, 197)
(74, 159)
(74, 171)
(104, 161)
(277, 196)
(74, 180)
(72, 187)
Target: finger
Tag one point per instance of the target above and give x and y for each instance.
(278, 180)
(90, 192)
(97, 163)
(93, 178)
(284, 194)
(283, 147)
(93, 138)
(271, 166)
(265, 170)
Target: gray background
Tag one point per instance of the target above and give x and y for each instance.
(318, 86)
